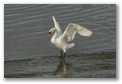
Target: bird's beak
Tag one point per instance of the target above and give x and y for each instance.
(49, 34)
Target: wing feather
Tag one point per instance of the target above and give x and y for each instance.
(57, 26)
(72, 29)
(83, 31)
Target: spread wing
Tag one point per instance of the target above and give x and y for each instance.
(72, 29)
(56, 24)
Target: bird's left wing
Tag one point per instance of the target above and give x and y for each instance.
(56, 24)
(72, 29)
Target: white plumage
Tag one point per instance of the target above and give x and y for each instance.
(60, 40)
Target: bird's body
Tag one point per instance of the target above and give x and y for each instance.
(60, 39)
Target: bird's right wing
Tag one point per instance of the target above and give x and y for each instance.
(72, 29)
(56, 24)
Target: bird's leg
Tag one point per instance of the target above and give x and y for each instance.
(61, 55)
(62, 61)
(64, 55)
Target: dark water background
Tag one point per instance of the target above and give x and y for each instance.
(27, 44)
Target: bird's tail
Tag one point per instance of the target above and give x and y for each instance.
(71, 45)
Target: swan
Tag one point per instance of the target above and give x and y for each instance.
(60, 40)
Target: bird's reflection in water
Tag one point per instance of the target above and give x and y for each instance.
(63, 69)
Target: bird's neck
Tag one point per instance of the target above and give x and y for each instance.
(53, 39)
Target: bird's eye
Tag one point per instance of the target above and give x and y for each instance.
(49, 33)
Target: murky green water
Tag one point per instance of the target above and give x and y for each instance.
(97, 65)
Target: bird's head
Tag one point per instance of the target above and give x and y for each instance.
(51, 31)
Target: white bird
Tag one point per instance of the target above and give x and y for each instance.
(60, 40)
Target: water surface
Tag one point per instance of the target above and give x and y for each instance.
(96, 65)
